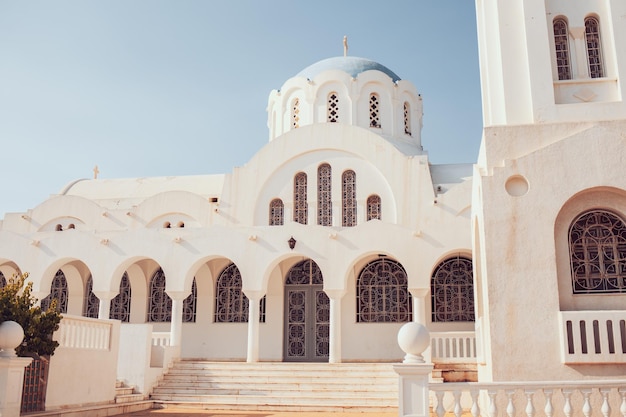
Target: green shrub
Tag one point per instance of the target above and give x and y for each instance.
(18, 304)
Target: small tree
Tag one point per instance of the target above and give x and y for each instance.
(18, 304)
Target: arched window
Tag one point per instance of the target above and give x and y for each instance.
(407, 118)
(300, 206)
(561, 48)
(333, 108)
(594, 49)
(295, 113)
(452, 291)
(231, 304)
(3, 281)
(597, 244)
(382, 293)
(189, 305)
(324, 196)
(120, 305)
(58, 291)
(374, 110)
(160, 304)
(276, 212)
(91, 303)
(348, 197)
(373, 208)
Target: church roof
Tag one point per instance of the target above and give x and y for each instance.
(349, 64)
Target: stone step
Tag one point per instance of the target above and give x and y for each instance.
(129, 398)
(279, 386)
(124, 391)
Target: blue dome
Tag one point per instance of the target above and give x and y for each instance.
(349, 64)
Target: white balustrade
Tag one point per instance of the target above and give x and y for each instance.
(453, 347)
(83, 333)
(529, 399)
(160, 338)
(593, 336)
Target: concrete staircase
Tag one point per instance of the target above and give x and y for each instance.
(274, 386)
(124, 394)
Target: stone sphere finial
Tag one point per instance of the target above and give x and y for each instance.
(11, 335)
(414, 339)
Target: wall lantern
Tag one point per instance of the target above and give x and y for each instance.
(292, 243)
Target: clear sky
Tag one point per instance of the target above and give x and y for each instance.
(165, 88)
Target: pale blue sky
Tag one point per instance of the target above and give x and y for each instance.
(164, 88)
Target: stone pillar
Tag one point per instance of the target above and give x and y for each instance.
(335, 296)
(413, 339)
(254, 299)
(104, 308)
(419, 304)
(11, 369)
(176, 325)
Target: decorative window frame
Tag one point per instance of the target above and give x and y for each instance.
(452, 291)
(597, 253)
(120, 304)
(91, 303)
(407, 118)
(374, 207)
(332, 108)
(295, 113)
(348, 199)
(324, 195)
(300, 204)
(382, 294)
(374, 111)
(58, 291)
(276, 212)
(159, 303)
(562, 55)
(593, 44)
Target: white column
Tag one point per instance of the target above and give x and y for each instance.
(254, 298)
(104, 307)
(419, 304)
(176, 325)
(334, 354)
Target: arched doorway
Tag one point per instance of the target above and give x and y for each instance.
(307, 315)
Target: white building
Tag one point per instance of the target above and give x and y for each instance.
(339, 229)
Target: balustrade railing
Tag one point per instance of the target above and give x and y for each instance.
(83, 333)
(529, 399)
(453, 347)
(160, 338)
(593, 336)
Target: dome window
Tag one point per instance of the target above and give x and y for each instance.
(276, 212)
(561, 47)
(333, 107)
(594, 50)
(374, 111)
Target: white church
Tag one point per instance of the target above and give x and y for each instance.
(339, 230)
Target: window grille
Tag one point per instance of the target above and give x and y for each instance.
(189, 305)
(594, 50)
(276, 212)
(160, 304)
(407, 118)
(231, 304)
(561, 47)
(324, 196)
(373, 208)
(304, 273)
(348, 192)
(597, 242)
(452, 291)
(374, 111)
(333, 108)
(120, 305)
(300, 206)
(91, 303)
(3, 281)
(58, 291)
(295, 114)
(382, 293)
